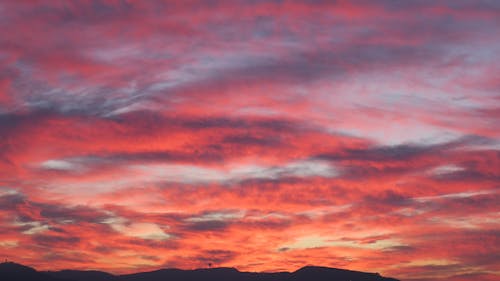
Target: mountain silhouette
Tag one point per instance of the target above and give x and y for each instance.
(78, 275)
(10, 271)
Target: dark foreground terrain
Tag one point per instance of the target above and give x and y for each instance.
(10, 271)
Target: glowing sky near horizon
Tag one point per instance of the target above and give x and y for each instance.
(261, 135)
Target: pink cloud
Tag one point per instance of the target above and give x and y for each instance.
(351, 134)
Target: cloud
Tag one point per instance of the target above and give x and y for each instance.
(51, 240)
(280, 133)
(11, 201)
(216, 256)
(141, 230)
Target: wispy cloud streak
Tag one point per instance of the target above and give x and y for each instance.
(264, 135)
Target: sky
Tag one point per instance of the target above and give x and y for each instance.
(261, 135)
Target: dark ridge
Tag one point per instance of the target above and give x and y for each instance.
(221, 274)
(78, 275)
(318, 273)
(10, 271)
(15, 272)
(15, 267)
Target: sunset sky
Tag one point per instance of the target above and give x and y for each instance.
(261, 135)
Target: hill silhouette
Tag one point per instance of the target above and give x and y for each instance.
(10, 271)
